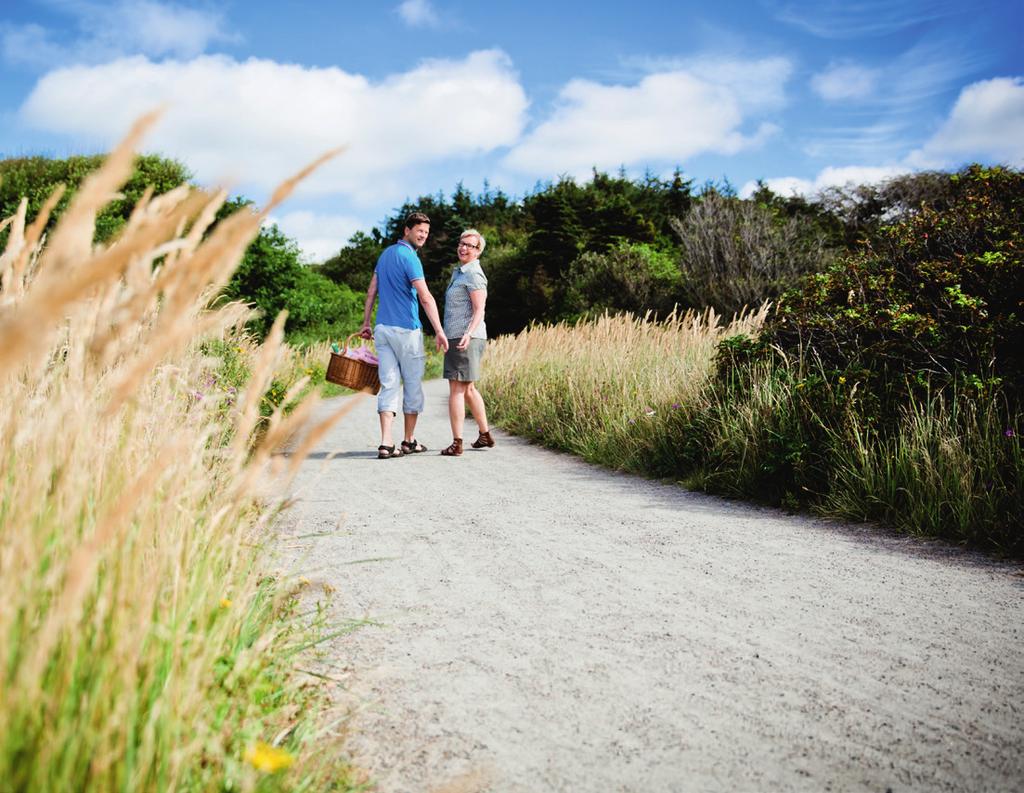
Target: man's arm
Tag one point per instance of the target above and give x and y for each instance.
(430, 307)
(371, 295)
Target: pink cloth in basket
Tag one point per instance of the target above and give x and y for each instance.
(362, 354)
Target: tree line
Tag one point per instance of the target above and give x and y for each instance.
(569, 249)
(271, 276)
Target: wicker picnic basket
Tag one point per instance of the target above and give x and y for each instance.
(352, 373)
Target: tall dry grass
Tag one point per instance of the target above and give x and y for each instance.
(638, 395)
(142, 644)
(596, 388)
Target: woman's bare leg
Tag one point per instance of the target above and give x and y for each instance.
(457, 406)
(476, 407)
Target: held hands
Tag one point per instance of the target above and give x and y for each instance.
(463, 342)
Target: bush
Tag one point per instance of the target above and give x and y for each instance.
(629, 277)
(937, 299)
(861, 211)
(507, 285)
(316, 302)
(353, 264)
(739, 253)
(272, 278)
(35, 178)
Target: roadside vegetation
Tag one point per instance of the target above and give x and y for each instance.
(145, 641)
(886, 384)
(860, 355)
(891, 352)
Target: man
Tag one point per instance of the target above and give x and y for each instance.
(399, 282)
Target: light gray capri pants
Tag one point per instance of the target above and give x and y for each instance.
(401, 355)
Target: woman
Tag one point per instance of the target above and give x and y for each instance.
(467, 338)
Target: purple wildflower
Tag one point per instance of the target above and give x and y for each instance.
(1009, 433)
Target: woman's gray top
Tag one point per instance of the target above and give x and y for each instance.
(458, 309)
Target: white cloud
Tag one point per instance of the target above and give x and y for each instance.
(844, 81)
(666, 118)
(756, 85)
(319, 235)
(986, 124)
(842, 19)
(154, 28)
(899, 92)
(30, 45)
(263, 120)
(418, 13)
(827, 177)
(104, 31)
(929, 69)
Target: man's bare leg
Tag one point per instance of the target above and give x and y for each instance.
(387, 419)
(410, 425)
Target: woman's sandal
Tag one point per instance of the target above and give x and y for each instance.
(413, 447)
(387, 452)
(454, 450)
(485, 441)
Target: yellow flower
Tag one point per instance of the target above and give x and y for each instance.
(842, 380)
(268, 759)
(225, 603)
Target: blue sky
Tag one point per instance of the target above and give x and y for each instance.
(429, 93)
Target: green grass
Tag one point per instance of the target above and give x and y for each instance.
(952, 468)
(144, 644)
(645, 397)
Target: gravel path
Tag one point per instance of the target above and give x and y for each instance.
(545, 625)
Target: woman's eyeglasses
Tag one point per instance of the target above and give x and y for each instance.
(467, 245)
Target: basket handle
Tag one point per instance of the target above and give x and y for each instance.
(349, 340)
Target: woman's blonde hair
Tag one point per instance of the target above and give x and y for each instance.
(478, 235)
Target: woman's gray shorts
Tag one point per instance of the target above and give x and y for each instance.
(464, 365)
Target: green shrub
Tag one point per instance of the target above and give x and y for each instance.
(272, 278)
(353, 264)
(35, 178)
(938, 299)
(313, 301)
(632, 277)
(951, 467)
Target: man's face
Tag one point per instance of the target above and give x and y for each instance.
(418, 234)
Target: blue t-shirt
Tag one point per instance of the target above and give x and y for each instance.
(396, 269)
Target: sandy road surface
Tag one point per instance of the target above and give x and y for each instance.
(549, 626)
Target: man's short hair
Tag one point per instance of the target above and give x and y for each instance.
(415, 218)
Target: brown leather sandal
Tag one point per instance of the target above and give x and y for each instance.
(454, 450)
(485, 441)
